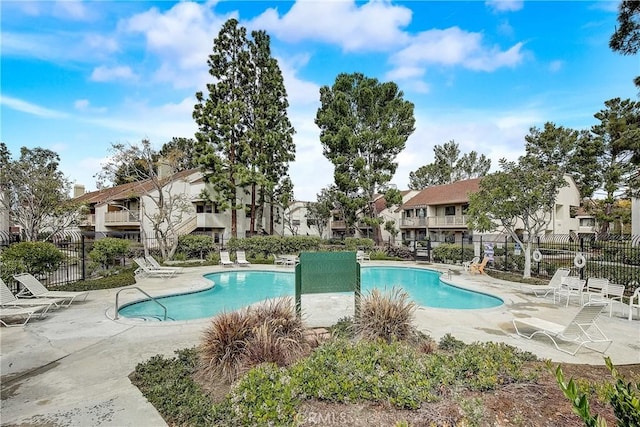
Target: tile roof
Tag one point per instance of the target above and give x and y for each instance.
(126, 191)
(457, 192)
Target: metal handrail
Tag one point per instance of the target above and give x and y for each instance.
(148, 296)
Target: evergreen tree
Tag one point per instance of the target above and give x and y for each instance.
(364, 125)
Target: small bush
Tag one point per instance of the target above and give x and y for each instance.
(343, 328)
(237, 341)
(33, 257)
(355, 243)
(106, 251)
(449, 343)
(195, 245)
(386, 316)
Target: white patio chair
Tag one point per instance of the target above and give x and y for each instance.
(635, 297)
(8, 299)
(24, 313)
(555, 283)
(571, 286)
(612, 292)
(151, 261)
(145, 270)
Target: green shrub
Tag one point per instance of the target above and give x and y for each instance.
(452, 252)
(269, 245)
(109, 249)
(267, 395)
(449, 343)
(355, 243)
(339, 371)
(343, 328)
(168, 384)
(195, 245)
(120, 278)
(32, 257)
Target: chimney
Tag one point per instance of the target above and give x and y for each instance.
(165, 168)
(78, 190)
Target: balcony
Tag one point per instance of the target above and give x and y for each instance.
(213, 220)
(88, 220)
(338, 225)
(448, 221)
(413, 222)
(122, 218)
(453, 221)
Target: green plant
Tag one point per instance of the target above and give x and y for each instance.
(267, 395)
(168, 384)
(343, 328)
(449, 343)
(624, 397)
(354, 243)
(33, 257)
(105, 251)
(195, 245)
(386, 316)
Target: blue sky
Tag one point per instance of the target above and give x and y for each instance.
(77, 76)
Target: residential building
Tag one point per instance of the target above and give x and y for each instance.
(296, 222)
(128, 208)
(635, 216)
(439, 213)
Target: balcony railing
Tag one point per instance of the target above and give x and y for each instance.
(88, 220)
(435, 221)
(122, 217)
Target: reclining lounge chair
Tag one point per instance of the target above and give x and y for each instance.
(581, 330)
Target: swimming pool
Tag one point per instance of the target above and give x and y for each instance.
(237, 289)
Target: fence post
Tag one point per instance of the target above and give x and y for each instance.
(462, 251)
(538, 248)
(582, 251)
(84, 270)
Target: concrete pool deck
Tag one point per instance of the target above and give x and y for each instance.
(71, 368)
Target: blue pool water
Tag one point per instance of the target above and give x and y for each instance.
(237, 289)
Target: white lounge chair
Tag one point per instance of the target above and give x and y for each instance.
(38, 290)
(467, 264)
(595, 286)
(145, 270)
(225, 260)
(24, 313)
(151, 261)
(554, 284)
(635, 297)
(241, 259)
(581, 330)
(8, 299)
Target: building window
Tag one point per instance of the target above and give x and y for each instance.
(204, 208)
(408, 214)
(449, 210)
(465, 209)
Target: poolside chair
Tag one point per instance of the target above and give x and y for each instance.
(8, 299)
(555, 283)
(635, 297)
(145, 270)
(38, 290)
(581, 330)
(286, 260)
(24, 313)
(362, 256)
(225, 260)
(610, 293)
(571, 286)
(467, 264)
(151, 261)
(478, 267)
(595, 287)
(241, 259)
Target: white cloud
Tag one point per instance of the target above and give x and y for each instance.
(373, 26)
(181, 38)
(84, 106)
(455, 47)
(505, 5)
(106, 74)
(70, 9)
(29, 108)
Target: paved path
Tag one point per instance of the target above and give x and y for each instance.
(71, 369)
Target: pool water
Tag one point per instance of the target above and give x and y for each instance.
(237, 289)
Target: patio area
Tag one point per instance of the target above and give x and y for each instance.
(72, 367)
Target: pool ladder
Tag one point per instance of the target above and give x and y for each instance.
(148, 296)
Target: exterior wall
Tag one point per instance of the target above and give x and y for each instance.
(296, 214)
(394, 214)
(561, 221)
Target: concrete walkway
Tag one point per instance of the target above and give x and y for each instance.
(71, 368)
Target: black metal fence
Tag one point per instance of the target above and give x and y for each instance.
(611, 256)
